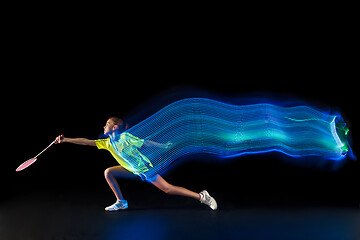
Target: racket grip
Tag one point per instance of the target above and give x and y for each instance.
(61, 138)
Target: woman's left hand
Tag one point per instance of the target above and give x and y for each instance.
(167, 145)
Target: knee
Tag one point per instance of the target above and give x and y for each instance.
(107, 173)
(168, 189)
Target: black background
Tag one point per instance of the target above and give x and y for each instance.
(69, 78)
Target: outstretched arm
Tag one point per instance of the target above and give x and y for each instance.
(149, 143)
(79, 141)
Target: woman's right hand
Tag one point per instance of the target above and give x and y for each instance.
(59, 139)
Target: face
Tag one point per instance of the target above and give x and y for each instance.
(109, 126)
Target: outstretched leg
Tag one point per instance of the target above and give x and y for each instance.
(204, 197)
(166, 187)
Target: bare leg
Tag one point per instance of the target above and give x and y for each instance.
(116, 172)
(166, 187)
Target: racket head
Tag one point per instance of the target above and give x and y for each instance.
(26, 164)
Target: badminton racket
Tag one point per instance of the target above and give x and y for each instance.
(32, 160)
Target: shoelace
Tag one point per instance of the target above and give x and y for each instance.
(205, 198)
(118, 204)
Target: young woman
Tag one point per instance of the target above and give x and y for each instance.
(125, 169)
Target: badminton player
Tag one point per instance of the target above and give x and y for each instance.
(124, 170)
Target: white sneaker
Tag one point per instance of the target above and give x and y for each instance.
(119, 205)
(208, 200)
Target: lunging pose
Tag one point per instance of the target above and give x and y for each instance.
(199, 125)
(125, 142)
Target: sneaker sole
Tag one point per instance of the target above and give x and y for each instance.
(115, 210)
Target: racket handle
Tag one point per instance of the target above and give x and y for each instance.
(61, 138)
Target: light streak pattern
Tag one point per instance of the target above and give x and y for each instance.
(200, 125)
